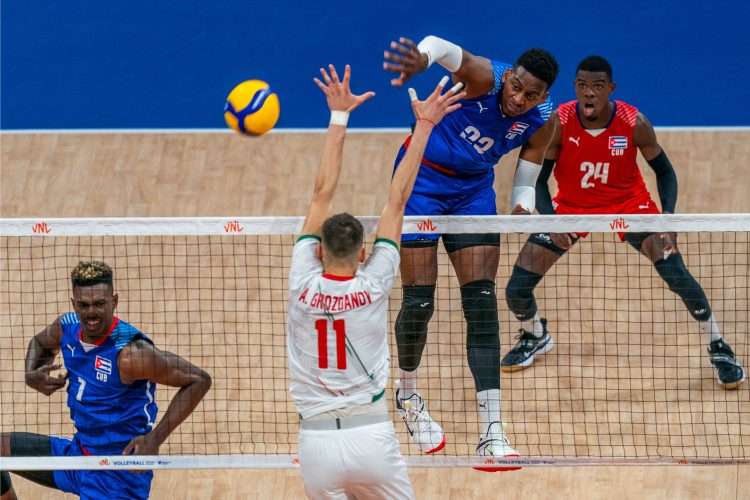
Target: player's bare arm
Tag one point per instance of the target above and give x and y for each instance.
(428, 113)
(543, 196)
(644, 138)
(40, 354)
(341, 101)
(141, 360)
(407, 59)
(529, 165)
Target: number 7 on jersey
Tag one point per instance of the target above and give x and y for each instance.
(339, 328)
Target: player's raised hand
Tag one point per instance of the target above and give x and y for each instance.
(563, 240)
(41, 380)
(338, 93)
(438, 104)
(404, 59)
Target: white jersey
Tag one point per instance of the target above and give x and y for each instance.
(337, 338)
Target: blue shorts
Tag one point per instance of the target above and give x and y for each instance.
(436, 193)
(98, 484)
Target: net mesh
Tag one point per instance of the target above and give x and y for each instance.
(628, 379)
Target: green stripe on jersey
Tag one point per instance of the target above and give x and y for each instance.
(308, 236)
(386, 240)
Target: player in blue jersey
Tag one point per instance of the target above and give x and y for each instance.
(112, 372)
(506, 107)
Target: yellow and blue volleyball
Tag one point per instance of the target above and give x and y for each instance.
(252, 108)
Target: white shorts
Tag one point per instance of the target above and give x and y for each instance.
(362, 462)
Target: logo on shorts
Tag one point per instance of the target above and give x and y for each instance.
(516, 129)
(617, 145)
(426, 226)
(618, 224)
(233, 226)
(103, 367)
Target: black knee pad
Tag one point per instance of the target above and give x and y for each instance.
(519, 293)
(680, 281)
(4, 482)
(483, 333)
(411, 324)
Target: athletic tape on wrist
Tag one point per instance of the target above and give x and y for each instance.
(339, 118)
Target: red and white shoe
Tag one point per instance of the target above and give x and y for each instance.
(423, 430)
(493, 445)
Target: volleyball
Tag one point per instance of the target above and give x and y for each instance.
(252, 108)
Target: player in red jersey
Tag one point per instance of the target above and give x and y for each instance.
(594, 144)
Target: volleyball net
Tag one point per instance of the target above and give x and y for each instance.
(628, 382)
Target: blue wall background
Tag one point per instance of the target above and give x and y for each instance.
(170, 64)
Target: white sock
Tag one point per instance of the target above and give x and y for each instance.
(408, 384)
(488, 408)
(534, 325)
(710, 327)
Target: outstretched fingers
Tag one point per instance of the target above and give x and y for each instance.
(321, 85)
(334, 75)
(439, 88)
(347, 76)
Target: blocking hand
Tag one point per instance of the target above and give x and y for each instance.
(437, 104)
(338, 94)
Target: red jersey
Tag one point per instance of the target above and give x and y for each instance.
(596, 171)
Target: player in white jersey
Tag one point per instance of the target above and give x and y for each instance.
(337, 339)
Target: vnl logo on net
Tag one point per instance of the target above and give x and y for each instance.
(426, 226)
(233, 226)
(41, 228)
(618, 224)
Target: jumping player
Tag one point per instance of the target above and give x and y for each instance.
(337, 340)
(595, 145)
(112, 372)
(506, 107)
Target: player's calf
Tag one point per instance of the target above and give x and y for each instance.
(479, 304)
(411, 324)
(729, 372)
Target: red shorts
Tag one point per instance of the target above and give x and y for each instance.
(639, 206)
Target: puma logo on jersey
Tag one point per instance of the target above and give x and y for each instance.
(575, 140)
(72, 349)
(643, 206)
(482, 109)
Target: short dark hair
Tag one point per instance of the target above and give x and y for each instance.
(596, 64)
(541, 64)
(343, 235)
(90, 273)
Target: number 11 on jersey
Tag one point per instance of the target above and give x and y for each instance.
(339, 328)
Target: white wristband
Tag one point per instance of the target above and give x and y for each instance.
(446, 54)
(524, 184)
(339, 118)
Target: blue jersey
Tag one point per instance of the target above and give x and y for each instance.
(471, 140)
(106, 412)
